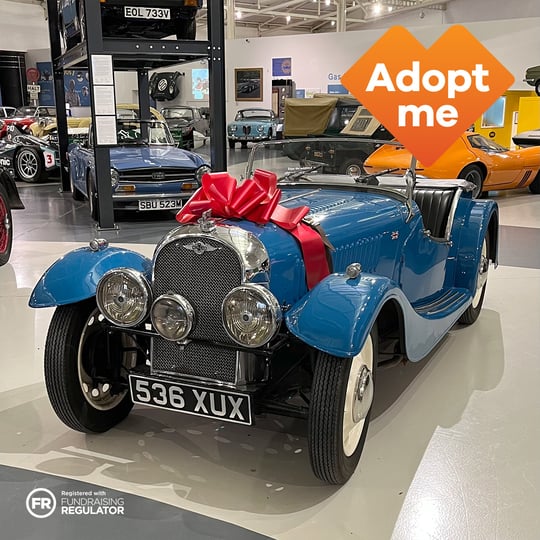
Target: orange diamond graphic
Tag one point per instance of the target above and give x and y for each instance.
(427, 97)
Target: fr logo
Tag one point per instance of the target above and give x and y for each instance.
(41, 503)
(427, 97)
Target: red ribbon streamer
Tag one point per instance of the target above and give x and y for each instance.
(257, 200)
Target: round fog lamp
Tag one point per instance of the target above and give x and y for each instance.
(123, 296)
(251, 315)
(172, 316)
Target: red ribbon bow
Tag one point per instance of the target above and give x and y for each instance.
(256, 199)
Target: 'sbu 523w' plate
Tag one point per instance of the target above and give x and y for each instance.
(146, 13)
(190, 399)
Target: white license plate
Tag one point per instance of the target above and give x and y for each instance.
(147, 13)
(160, 204)
(190, 399)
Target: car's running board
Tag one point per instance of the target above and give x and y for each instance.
(442, 304)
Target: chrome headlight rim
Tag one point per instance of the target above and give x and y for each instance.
(115, 177)
(201, 171)
(143, 283)
(185, 305)
(272, 305)
(260, 128)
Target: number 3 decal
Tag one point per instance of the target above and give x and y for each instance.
(49, 159)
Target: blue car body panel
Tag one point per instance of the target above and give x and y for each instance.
(75, 276)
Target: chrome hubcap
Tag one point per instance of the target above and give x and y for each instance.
(353, 170)
(364, 395)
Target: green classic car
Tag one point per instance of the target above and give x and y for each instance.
(532, 77)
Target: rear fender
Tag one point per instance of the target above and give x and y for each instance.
(75, 276)
(482, 218)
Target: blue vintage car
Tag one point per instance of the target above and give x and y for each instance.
(148, 172)
(252, 125)
(269, 298)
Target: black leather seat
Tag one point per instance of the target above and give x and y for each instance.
(435, 207)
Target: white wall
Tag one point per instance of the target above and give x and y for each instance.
(22, 27)
(514, 42)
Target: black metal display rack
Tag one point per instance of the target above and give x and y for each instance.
(141, 56)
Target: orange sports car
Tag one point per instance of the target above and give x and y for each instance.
(488, 165)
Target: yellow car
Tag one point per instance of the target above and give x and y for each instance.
(488, 165)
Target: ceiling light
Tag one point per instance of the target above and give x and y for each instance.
(288, 19)
(326, 2)
(238, 14)
(333, 23)
(377, 8)
(390, 8)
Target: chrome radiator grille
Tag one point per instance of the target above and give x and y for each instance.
(204, 280)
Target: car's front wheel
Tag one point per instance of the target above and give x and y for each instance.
(28, 165)
(232, 143)
(474, 175)
(340, 406)
(86, 368)
(6, 231)
(537, 88)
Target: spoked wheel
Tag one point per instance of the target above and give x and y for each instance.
(341, 398)
(28, 166)
(473, 311)
(86, 368)
(475, 175)
(6, 230)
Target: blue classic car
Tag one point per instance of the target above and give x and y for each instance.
(252, 125)
(278, 295)
(148, 172)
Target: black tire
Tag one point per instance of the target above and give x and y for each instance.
(534, 186)
(76, 346)
(537, 88)
(232, 144)
(186, 29)
(331, 461)
(6, 227)
(243, 144)
(473, 311)
(353, 167)
(475, 175)
(28, 165)
(93, 200)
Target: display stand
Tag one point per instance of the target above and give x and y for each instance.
(141, 56)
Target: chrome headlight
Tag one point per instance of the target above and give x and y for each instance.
(251, 315)
(115, 178)
(203, 169)
(123, 296)
(260, 129)
(172, 316)
(232, 128)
